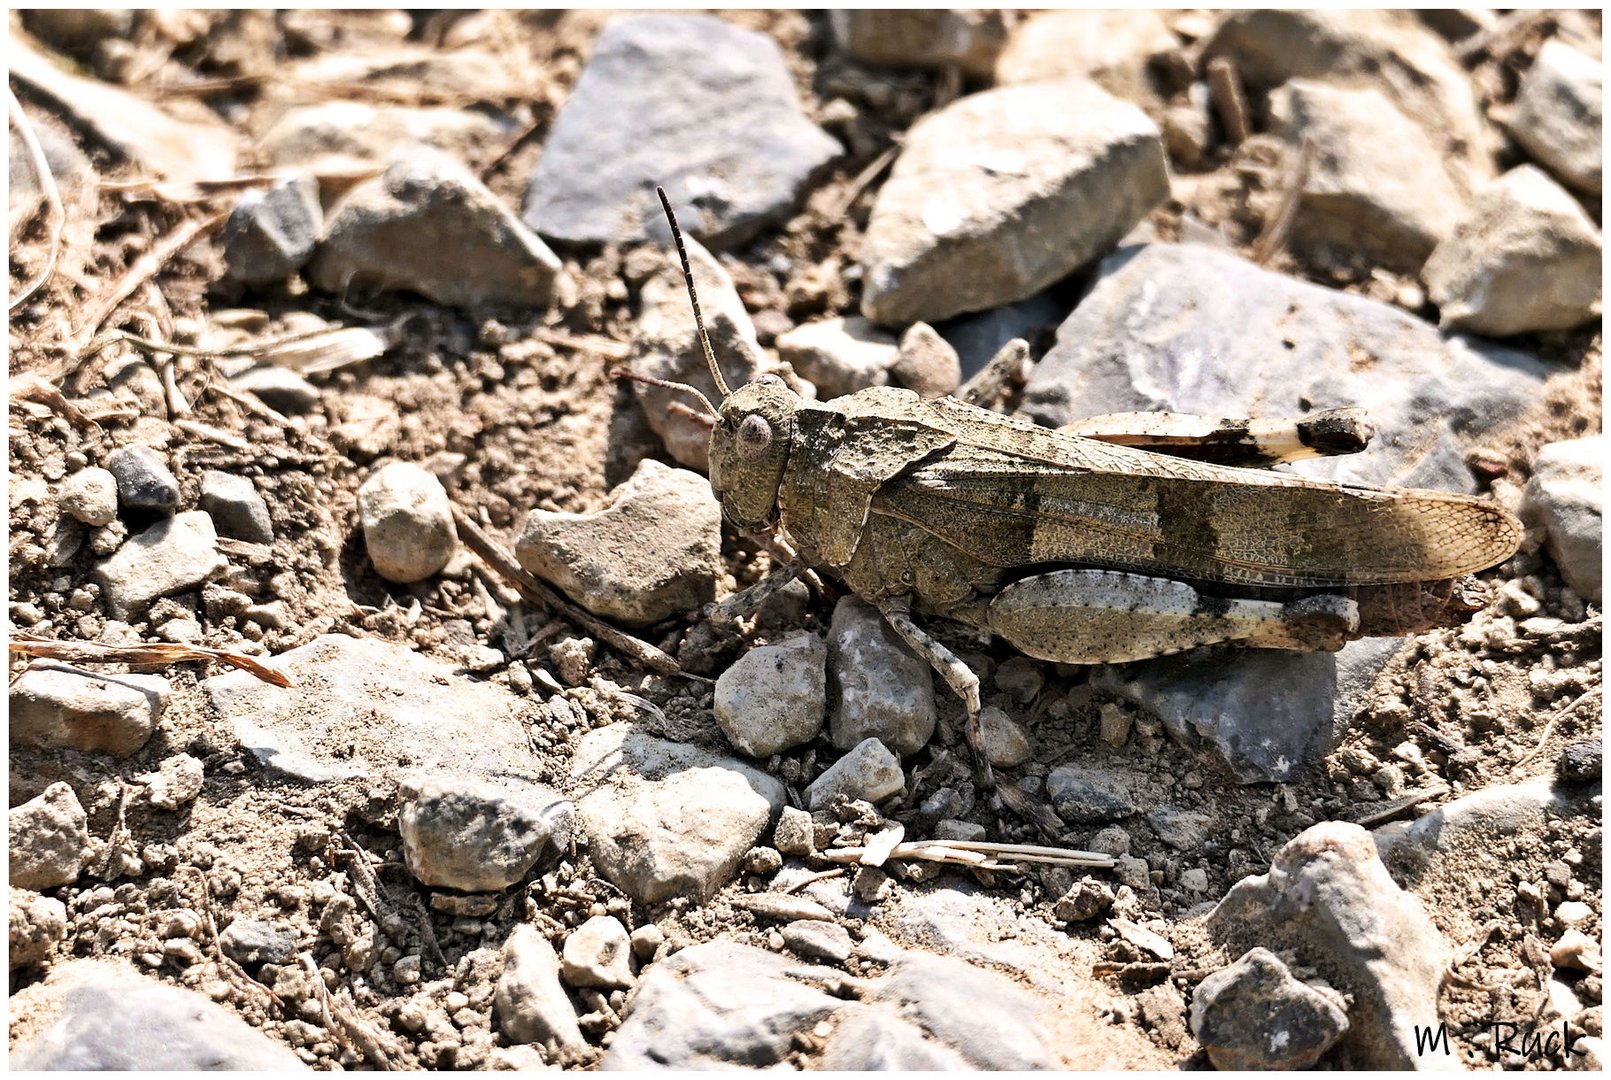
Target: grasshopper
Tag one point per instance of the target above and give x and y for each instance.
(1125, 537)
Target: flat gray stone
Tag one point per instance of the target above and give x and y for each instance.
(1086, 796)
(774, 697)
(272, 231)
(417, 715)
(258, 941)
(1557, 114)
(279, 388)
(745, 169)
(868, 772)
(880, 688)
(476, 835)
(236, 507)
(1255, 1014)
(56, 705)
(815, 939)
(1566, 497)
(983, 1015)
(47, 839)
(1003, 192)
(175, 554)
(840, 355)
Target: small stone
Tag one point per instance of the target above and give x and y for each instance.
(1188, 128)
(174, 555)
(813, 939)
(774, 698)
(792, 834)
(530, 1002)
(763, 861)
(572, 657)
(475, 835)
(870, 884)
(1564, 496)
(1086, 797)
(1581, 761)
(1576, 951)
(36, 925)
(646, 941)
(840, 355)
(1115, 722)
(1114, 49)
(406, 971)
(1148, 941)
(652, 552)
(926, 364)
(1110, 840)
(236, 508)
(47, 838)
(881, 689)
(597, 953)
(1183, 830)
(952, 829)
(1255, 1015)
(177, 782)
(1020, 677)
(924, 40)
(869, 772)
(1573, 913)
(1523, 257)
(782, 907)
(355, 134)
(1006, 743)
(281, 389)
(462, 906)
(272, 231)
(144, 481)
(1557, 113)
(90, 495)
(55, 705)
(428, 225)
(1084, 901)
(257, 941)
(408, 522)
(1194, 880)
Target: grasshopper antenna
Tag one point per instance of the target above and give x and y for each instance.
(693, 297)
(713, 419)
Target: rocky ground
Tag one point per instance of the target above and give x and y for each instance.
(314, 321)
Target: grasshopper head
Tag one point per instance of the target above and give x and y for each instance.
(749, 448)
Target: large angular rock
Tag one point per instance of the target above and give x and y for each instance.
(476, 835)
(1001, 193)
(47, 839)
(57, 705)
(1557, 115)
(1114, 49)
(1256, 1015)
(175, 554)
(725, 136)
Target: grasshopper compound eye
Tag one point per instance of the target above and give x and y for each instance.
(754, 436)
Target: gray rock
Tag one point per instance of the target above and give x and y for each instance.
(1564, 496)
(1255, 1015)
(794, 831)
(983, 1015)
(334, 133)
(720, 1005)
(258, 941)
(89, 495)
(598, 953)
(476, 835)
(877, 1038)
(144, 481)
(177, 782)
(272, 231)
(47, 838)
(667, 347)
(54, 705)
(419, 715)
(236, 508)
(868, 772)
(429, 226)
(1557, 114)
(664, 819)
(775, 697)
(654, 551)
(926, 363)
(279, 388)
(407, 520)
(840, 355)
(1183, 830)
(815, 939)
(753, 156)
(1524, 257)
(880, 688)
(1114, 49)
(1439, 843)
(1376, 185)
(35, 926)
(782, 907)
(531, 1004)
(1581, 762)
(104, 1017)
(175, 554)
(977, 338)
(1087, 796)
(1329, 901)
(1053, 175)
(1006, 743)
(923, 40)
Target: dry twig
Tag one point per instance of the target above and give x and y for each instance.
(1225, 88)
(144, 269)
(53, 197)
(1275, 231)
(147, 652)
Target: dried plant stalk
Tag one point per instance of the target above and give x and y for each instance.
(147, 652)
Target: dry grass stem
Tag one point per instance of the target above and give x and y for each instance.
(53, 197)
(148, 652)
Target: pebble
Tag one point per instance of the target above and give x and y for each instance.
(926, 364)
(668, 348)
(1114, 49)
(598, 953)
(271, 232)
(104, 1017)
(1523, 257)
(793, 832)
(952, 829)
(407, 520)
(1329, 901)
(1581, 761)
(281, 389)
(427, 225)
(90, 496)
(1576, 951)
(236, 507)
(880, 688)
(47, 838)
(1181, 829)
(1194, 880)
(55, 705)
(1020, 677)
(348, 134)
(35, 926)
(775, 697)
(475, 835)
(652, 552)
(419, 715)
(840, 355)
(1557, 114)
(530, 1002)
(961, 223)
(1115, 722)
(1255, 1014)
(814, 939)
(1564, 496)
(258, 941)
(174, 555)
(177, 782)
(746, 169)
(1006, 743)
(1084, 901)
(1085, 796)
(647, 941)
(868, 772)
(667, 819)
(144, 481)
(1572, 913)
(906, 39)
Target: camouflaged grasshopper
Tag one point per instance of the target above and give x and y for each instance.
(1124, 537)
